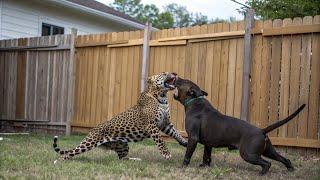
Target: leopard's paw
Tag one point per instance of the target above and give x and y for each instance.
(135, 159)
(166, 155)
(184, 143)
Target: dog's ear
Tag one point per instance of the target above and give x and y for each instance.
(204, 93)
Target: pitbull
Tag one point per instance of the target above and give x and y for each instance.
(206, 125)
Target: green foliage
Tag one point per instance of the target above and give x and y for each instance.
(173, 15)
(199, 19)
(181, 16)
(130, 7)
(280, 9)
(144, 13)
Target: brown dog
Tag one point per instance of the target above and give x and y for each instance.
(206, 125)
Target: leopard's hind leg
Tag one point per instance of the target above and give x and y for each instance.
(121, 148)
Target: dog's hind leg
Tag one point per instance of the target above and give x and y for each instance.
(271, 153)
(257, 160)
(206, 156)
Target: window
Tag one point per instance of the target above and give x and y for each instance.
(49, 29)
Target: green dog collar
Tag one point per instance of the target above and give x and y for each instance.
(186, 103)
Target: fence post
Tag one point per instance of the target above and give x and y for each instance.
(145, 55)
(246, 65)
(71, 71)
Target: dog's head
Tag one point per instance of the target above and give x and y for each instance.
(186, 90)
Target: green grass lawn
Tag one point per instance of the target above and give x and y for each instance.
(32, 156)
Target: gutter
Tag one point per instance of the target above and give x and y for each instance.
(99, 13)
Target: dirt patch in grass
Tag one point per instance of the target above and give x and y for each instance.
(32, 156)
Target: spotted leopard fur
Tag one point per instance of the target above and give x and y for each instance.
(146, 119)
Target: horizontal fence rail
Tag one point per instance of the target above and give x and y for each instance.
(35, 79)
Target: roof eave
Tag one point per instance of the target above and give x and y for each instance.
(99, 13)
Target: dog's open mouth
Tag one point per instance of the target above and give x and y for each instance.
(170, 83)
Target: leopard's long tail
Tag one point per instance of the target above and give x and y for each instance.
(86, 145)
(55, 146)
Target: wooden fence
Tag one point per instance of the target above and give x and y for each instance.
(34, 80)
(285, 73)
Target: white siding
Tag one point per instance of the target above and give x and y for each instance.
(21, 18)
(0, 18)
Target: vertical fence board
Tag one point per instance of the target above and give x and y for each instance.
(285, 77)
(314, 95)
(216, 68)
(21, 79)
(294, 79)
(231, 72)
(223, 71)
(304, 80)
(239, 73)
(275, 77)
(265, 77)
(2, 80)
(254, 101)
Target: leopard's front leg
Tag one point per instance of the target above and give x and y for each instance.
(172, 132)
(155, 135)
(168, 128)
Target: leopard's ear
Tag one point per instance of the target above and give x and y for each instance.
(149, 81)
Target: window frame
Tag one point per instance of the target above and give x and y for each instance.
(51, 28)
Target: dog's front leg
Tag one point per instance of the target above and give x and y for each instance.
(192, 144)
(206, 156)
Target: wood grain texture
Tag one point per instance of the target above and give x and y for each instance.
(294, 79)
(275, 77)
(314, 99)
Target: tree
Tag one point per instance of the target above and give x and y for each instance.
(164, 21)
(180, 14)
(150, 13)
(199, 19)
(174, 15)
(280, 9)
(130, 7)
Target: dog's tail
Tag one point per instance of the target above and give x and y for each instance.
(282, 122)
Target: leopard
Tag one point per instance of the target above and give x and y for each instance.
(147, 118)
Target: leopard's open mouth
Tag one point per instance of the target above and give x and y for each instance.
(170, 82)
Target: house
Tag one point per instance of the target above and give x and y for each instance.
(27, 18)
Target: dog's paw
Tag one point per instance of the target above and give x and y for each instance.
(184, 166)
(291, 169)
(204, 165)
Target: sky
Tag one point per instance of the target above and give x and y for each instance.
(212, 8)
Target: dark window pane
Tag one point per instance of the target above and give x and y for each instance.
(49, 29)
(45, 30)
(57, 30)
